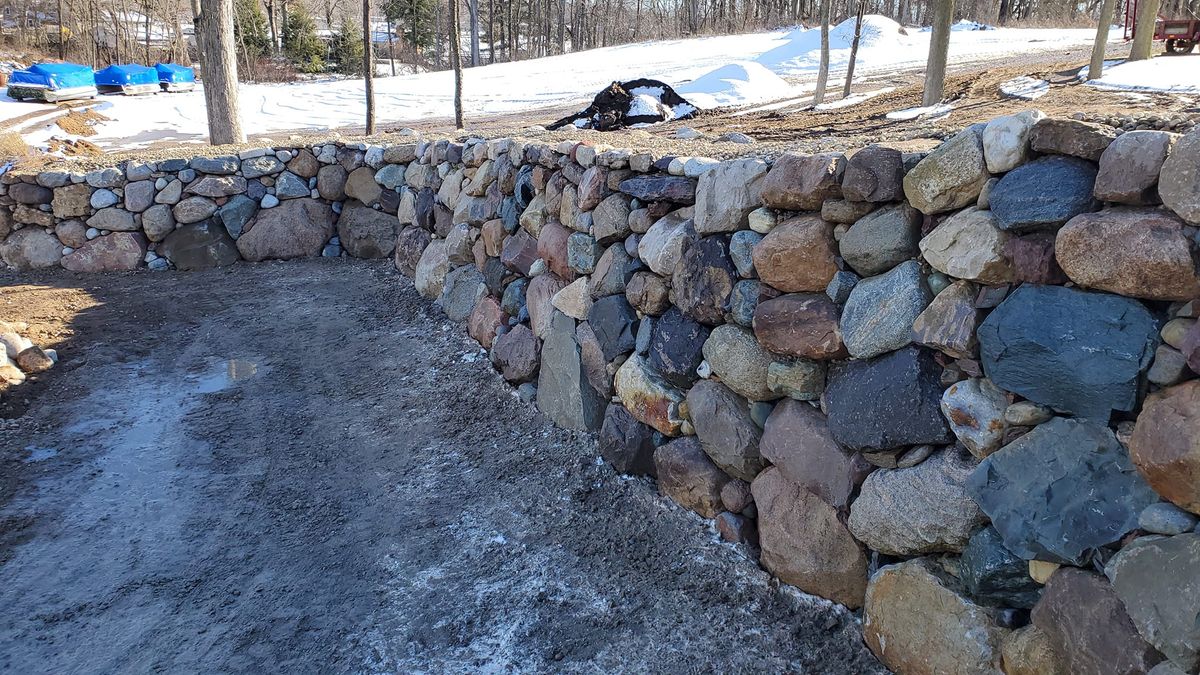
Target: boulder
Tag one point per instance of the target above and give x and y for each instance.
(1043, 194)
(799, 255)
(410, 244)
(1061, 491)
(1088, 627)
(297, 228)
(993, 575)
(1086, 140)
(737, 359)
(614, 322)
(361, 185)
(28, 193)
(1130, 166)
(233, 214)
(948, 324)
(799, 379)
(485, 319)
(881, 240)
(595, 367)
(725, 429)
(71, 233)
(331, 182)
(430, 274)
(1158, 581)
(887, 402)
(1033, 261)
(30, 248)
(213, 186)
(139, 195)
(676, 348)
(519, 252)
(1029, 651)
(703, 280)
(461, 289)
(290, 186)
(1141, 253)
(919, 510)
(969, 245)
(1006, 140)
(800, 324)
(918, 624)
(676, 189)
(1022, 349)
(583, 253)
(648, 397)
(688, 477)
(610, 219)
(115, 219)
(517, 354)
(648, 293)
(612, 272)
(365, 232)
(741, 252)
(878, 317)
(727, 193)
(1179, 180)
(72, 201)
(1165, 446)
(563, 392)
(626, 443)
(804, 542)
(874, 174)
(116, 252)
(975, 408)
(797, 441)
(573, 300)
(801, 182)
(199, 246)
(539, 300)
(663, 245)
(951, 176)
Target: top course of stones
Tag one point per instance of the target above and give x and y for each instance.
(944, 386)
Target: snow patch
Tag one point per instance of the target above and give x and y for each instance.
(741, 82)
(1169, 74)
(929, 112)
(1025, 87)
(853, 99)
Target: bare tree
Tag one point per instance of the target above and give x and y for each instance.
(1096, 68)
(823, 71)
(854, 48)
(473, 10)
(368, 66)
(939, 49)
(1143, 29)
(456, 63)
(218, 67)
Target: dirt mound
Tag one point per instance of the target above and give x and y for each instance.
(80, 121)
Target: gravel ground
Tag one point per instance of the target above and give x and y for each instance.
(301, 467)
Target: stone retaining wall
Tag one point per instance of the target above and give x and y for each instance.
(956, 388)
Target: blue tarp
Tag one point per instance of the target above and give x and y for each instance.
(55, 76)
(174, 74)
(120, 76)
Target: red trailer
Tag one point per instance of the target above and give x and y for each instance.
(1179, 35)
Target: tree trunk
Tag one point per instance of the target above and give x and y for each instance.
(939, 49)
(62, 44)
(823, 72)
(271, 25)
(218, 66)
(392, 46)
(456, 63)
(562, 27)
(473, 9)
(1143, 29)
(1096, 68)
(854, 48)
(369, 66)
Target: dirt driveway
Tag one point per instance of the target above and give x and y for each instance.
(301, 467)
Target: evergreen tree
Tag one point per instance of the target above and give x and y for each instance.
(300, 42)
(414, 20)
(250, 31)
(346, 50)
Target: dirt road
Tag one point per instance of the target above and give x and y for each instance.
(301, 467)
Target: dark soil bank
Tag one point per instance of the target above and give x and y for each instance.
(302, 467)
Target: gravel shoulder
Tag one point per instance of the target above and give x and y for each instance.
(302, 467)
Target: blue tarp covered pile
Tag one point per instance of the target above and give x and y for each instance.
(128, 79)
(174, 77)
(52, 82)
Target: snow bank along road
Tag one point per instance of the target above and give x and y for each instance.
(710, 71)
(298, 467)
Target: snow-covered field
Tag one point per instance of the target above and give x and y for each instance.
(1177, 74)
(710, 71)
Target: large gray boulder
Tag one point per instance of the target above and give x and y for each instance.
(563, 392)
(30, 248)
(951, 176)
(727, 193)
(1098, 370)
(1043, 194)
(725, 428)
(1158, 580)
(365, 232)
(882, 239)
(879, 315)
(297, 228)
(1061, 491)
(199, 246)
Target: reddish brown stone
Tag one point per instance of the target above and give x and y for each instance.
(519, 252)
(737, 529)
(493, 236)
(485, 319)
(874, 174)
(114, 252)
(552, 247)
(410, 244)
(688, 476)
(517, 354)
(797, 256)
(800, 325)
(538, 299)
(801, 182)
(1032, 259)
(804, 542)
(736, 495)
(797, 440)
(1165, 445)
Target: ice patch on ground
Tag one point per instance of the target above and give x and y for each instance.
(931, 112)
(1025, 87)
(853, 99)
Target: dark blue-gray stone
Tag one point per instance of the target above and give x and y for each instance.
(290, 186)
(583, 252)
(1043, 194)
(513, 300)
(614, 321)
(743, 301)
(1061, 491)
(510, 214)
(524, 191)
(993, 575)
(675, 189)
(255, 190)
(887, 402)
(879, 314)
(426, 198)
(199, 246)
(676, 348)
(840, 286)
(625, 443)
(494, 274)
(220, 166)
(236, 212)
(563, 392)
(741, 248)
(704, 280)
(645, 334)
(172, 165)
(1075, 351)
